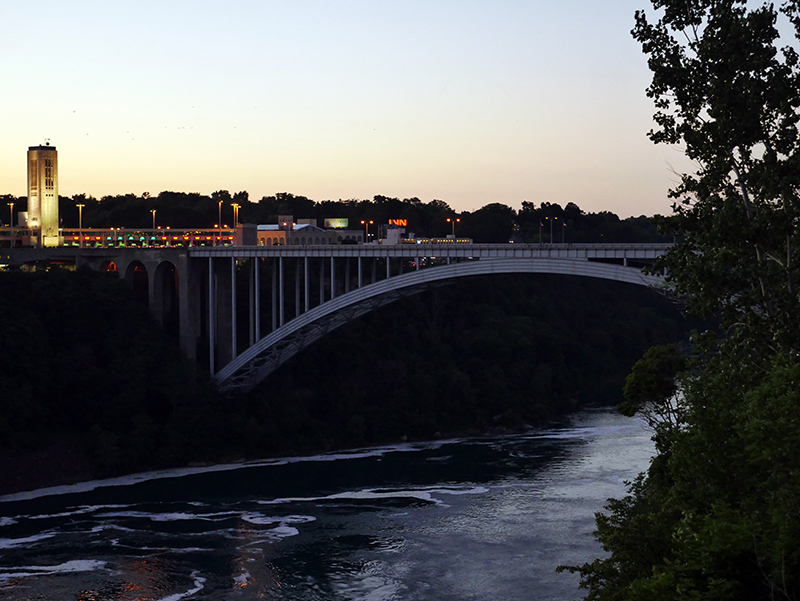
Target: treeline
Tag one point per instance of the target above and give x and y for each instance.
(493, 223)
(89, 382)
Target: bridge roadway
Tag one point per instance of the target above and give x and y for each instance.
(194, 290)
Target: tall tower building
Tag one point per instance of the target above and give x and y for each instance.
(43, 194)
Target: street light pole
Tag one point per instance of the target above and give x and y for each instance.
(80, 223)
(235, 214)
(153, 211)
(11, 223)
(366, 225)
(219, 238)
(453, 223)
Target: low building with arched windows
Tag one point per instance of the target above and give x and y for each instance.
(287, 232)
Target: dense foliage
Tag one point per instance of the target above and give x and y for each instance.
(84, 368)
(717, 515)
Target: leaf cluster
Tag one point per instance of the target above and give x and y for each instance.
(731, 98)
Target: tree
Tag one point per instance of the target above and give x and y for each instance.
(727, 93)
(716, 514)
(652, 390)
(492, 223)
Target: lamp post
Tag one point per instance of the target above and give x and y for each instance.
(80, 223)
(453, 222)
(235, 214)
(366, 225)
(11, 223)
(552, 219)
(219, 223)
(153, 211)
(563, 231)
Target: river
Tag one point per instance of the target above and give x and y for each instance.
(468, 519)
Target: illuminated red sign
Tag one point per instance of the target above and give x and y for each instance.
(398, 222)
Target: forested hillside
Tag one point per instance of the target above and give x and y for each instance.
(91, 387)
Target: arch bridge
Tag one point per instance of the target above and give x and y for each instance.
(211, 298)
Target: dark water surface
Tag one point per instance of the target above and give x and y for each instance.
(470, 519)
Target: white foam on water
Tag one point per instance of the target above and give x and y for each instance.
(241, 579)
(176, 516)
(459, 490)
(199, 585)
(425, 494)
(10, 543)
(117, 527)
(80, 510)
(7, 521)
(284, 531)
(298, 519)
(354, 495)
(263, 520)
(133, 479)
(76, 565)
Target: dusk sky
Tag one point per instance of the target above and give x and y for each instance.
(470, 102)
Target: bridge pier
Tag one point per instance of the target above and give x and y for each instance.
(189, 308)
(224, 313)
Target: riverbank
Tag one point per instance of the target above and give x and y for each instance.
(52, 466)
(63, 464)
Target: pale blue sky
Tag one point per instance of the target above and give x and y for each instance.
(468, 102)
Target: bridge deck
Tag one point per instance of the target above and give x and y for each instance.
(323, 286)
(472, 251)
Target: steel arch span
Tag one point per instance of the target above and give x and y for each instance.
(253, 365)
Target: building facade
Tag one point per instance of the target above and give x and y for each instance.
(43, 194)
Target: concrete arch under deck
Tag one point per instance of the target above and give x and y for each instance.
(265, 356)
(167, 284)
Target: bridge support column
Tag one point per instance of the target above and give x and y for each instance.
(306, 298)
(212, 317)
(281, 298)
(321, 281)
(233, 309)
(189, 306)
(297, 287)
(274, 295)
(257, 295)
(222, 308)
(253, 264)
(333, 278)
